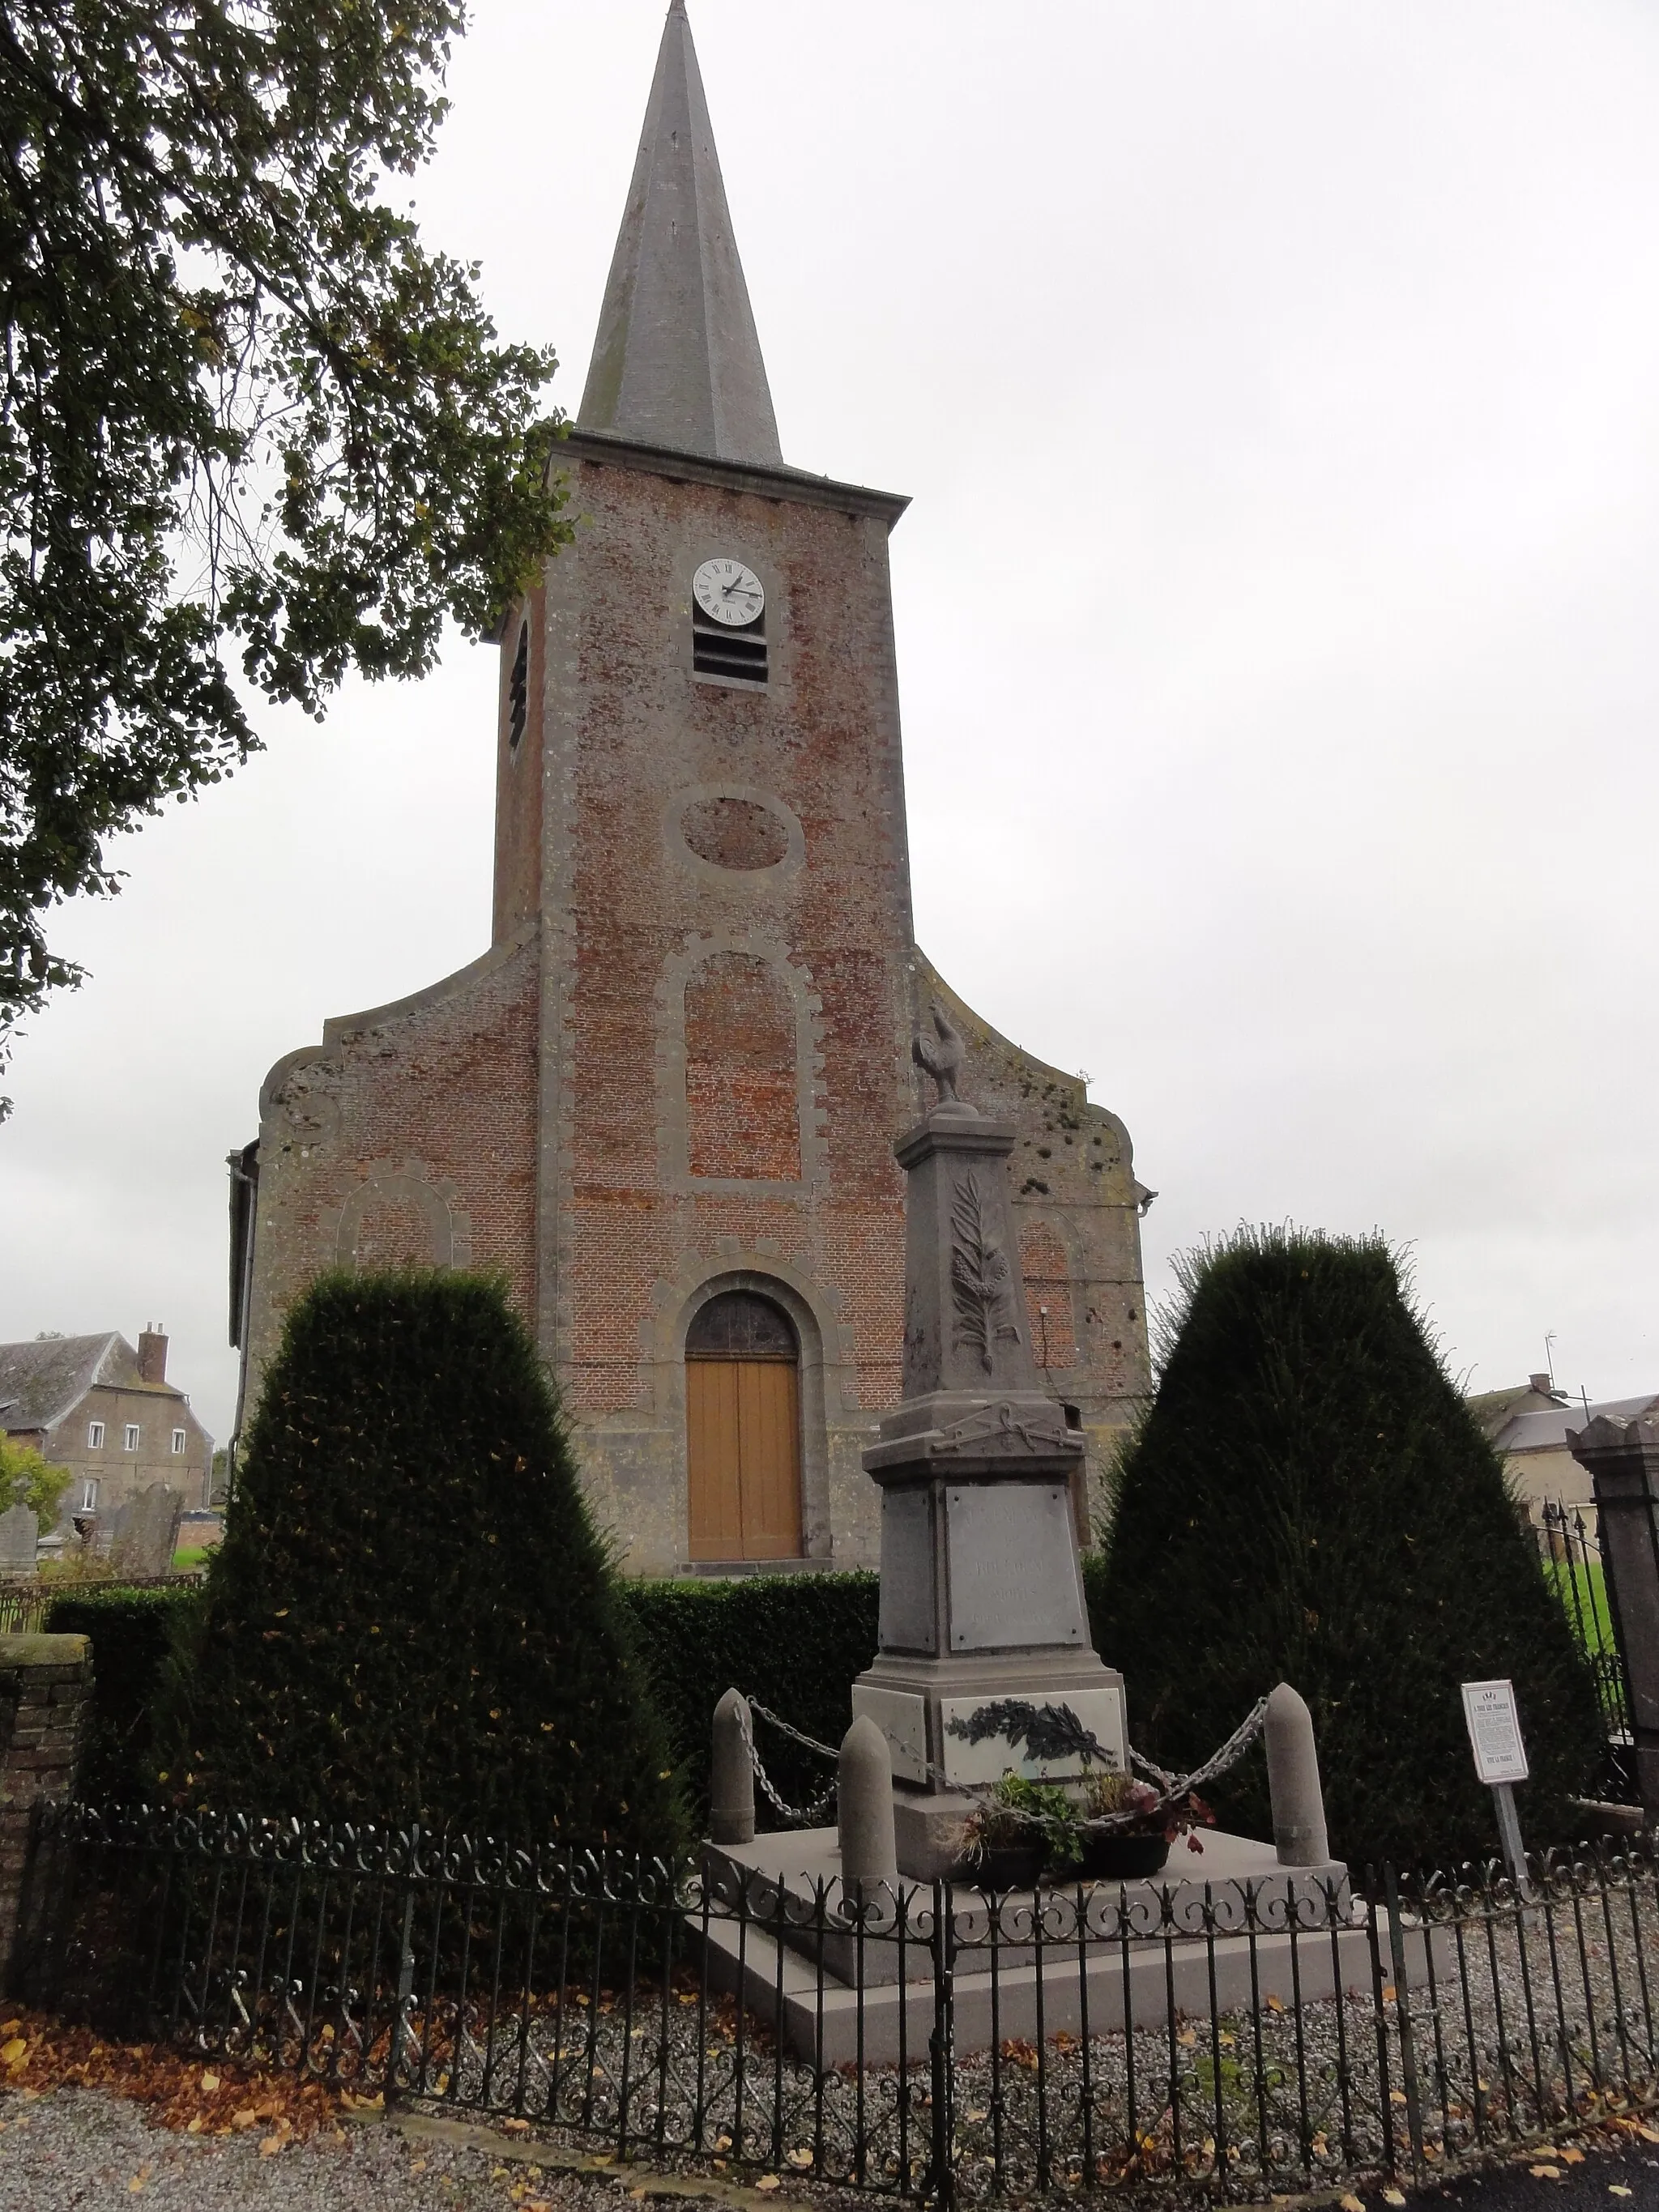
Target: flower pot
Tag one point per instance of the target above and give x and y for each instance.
(1001, 1866)
(1123, 1859)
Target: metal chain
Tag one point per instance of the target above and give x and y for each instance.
(802, 1816)
(1217, 1764)
(811, 1743)
(1175, 1787)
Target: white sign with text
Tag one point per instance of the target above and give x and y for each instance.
(1495, 1731)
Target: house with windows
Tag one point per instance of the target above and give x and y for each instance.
(107, 1412)
(1529, 1427)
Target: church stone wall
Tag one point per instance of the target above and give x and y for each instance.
(408, 1135)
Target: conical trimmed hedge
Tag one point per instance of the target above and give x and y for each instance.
(1309, 1500)
(411, 1616)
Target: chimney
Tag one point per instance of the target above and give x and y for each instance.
(1544, 1384)
(153, 1355)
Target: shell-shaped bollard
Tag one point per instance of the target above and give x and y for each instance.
(864, 1817)
(731, 1776)
(1299, 1802)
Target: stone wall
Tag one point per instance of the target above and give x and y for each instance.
(45, 1688)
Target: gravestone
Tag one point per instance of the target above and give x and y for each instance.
(19, 1534)
(145, 1534)
(982, 1617)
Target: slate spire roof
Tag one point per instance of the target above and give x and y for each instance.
(676, 360)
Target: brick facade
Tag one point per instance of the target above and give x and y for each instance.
(682, 1066)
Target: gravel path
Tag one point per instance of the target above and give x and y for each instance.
(1600, 2180)
(85, 2148)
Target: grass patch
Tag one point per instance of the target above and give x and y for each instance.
(1581, 1588)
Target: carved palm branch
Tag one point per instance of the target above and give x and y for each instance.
(979, 1270)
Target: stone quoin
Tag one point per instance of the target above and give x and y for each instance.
(664, 1102)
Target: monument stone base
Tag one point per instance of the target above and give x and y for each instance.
(835, 1996)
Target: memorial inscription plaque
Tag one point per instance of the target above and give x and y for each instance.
(1013, 1566)
(906, 1617)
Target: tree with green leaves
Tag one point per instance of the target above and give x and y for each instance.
(1309, 1500)
(242, 404)
(28, 1479)
(411, 1617)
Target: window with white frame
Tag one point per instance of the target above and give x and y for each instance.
(94, 1436)
(130, 1442)
(88, 1495)
(177, 1440)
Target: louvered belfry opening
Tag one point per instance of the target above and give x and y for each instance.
(719, 649)
(518, 690)
(743, 1431)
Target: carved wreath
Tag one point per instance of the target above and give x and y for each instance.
(980, 1274)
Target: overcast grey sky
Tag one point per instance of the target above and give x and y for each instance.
(1298, 361)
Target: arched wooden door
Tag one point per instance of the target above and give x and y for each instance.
(743, 1431)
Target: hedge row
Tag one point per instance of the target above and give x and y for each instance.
(131, 1632)
(795, 1642)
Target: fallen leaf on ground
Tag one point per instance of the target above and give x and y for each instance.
(1544, 2173)
(270, 2147)
(768, 2181)
(1394, 2196)
(210, 2083)
(1351, 2203)
(1572, 2157)
(1617, 2189)
(515, 2127)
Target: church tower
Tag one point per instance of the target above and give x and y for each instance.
(664, 1101)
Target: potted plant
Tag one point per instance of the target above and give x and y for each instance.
(1006, 1841)
(1146, 1824)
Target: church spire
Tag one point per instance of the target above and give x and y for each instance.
(677, 361)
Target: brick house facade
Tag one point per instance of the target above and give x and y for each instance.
(679, 1071)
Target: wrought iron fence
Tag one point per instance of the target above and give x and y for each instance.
(1286, 2032)
(1572, 1556)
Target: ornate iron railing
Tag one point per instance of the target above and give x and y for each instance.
(1572, 1556)
(1286, 2032)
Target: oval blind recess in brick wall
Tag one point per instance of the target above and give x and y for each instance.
(734, 833)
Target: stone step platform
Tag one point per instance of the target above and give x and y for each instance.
(792, 1882)
(1249, 1930)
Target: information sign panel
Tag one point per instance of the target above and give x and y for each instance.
(1494, 1731)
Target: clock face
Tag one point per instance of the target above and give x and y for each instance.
(728, 592)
